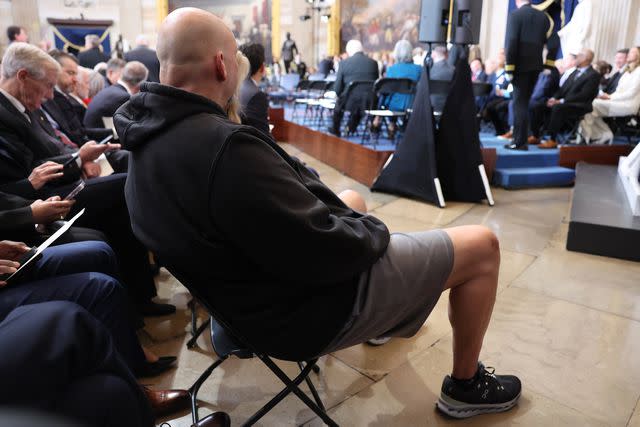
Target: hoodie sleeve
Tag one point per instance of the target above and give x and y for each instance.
(291, 226)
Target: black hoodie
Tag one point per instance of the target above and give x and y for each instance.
(272, 248)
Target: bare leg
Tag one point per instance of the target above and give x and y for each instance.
(149, 355)
(354, 200)
(473, 283)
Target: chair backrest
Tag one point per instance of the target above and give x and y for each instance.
(303, 85)
(439, 87)
(316, 76)
(290, 81)
(389, 86)
(482, 89)
(362, 89)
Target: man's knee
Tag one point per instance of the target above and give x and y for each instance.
(354, 200)
(487, 247)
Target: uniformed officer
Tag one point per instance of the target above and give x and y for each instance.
(527, 32)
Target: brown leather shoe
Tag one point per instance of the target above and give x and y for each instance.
(508, 135)
(217, 419)
(165, 402)
(548, 144)
(532, 140)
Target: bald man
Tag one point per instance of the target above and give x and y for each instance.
(297, 270)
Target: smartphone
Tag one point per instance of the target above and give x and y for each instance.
(106, 140)
(75, 191)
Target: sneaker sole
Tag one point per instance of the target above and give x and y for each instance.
(456, 409)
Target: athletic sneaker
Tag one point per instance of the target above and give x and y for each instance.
(483, 394)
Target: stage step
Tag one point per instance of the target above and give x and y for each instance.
(551, 176)
(534, 158)
(601, 221)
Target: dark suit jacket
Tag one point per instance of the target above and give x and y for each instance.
(482, 77)
(24, 145)
(79, 108)
(440, 71)
(62, 111)
(612, 83)
(580, 91)
(545, 87)
(255, 106)
(89, 58)
(15, 213)
(357, 67)
(527, 33)
(105, 104)
(149, 58)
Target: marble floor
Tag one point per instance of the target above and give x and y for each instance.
(567, 323)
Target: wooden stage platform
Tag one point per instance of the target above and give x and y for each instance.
(354, 160)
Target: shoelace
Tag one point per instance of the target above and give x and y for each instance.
(489, 371)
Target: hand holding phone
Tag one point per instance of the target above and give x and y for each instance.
(75, 191)
(106, 140)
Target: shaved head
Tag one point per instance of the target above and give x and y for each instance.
(197, 53)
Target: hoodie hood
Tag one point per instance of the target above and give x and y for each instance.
(156, 108)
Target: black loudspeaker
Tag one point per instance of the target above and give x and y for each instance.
(434, 21)
(467, 16)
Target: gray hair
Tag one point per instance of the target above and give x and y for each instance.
(92, 40)
(353, 47)
(115, 64)
(403, 52)
(134, 73)
(142, 40)
(23, 56)
(96, 83)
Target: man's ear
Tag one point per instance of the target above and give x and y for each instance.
(263, 69)
(22, 75)
(221, 70)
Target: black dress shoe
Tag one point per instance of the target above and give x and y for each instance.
(332, 131)
(217, 419)
(524, 147)
(151, 308)
(164, 402)
(152, 369)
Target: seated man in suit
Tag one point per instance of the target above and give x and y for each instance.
(84, 273)
(92, 54)
(109, 99)
(357, 67)
(440, 70)
(620, 63)
(569, 103)
(148, 57)
(478, 74)
(61, 114)
(28, 76)
(254, 102)
(298, 271)
(56, 357)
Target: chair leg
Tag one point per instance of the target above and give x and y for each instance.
(292, 386)
(312, 388)
(192, 342)
(193, 390)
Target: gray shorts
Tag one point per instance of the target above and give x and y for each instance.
(400, 290)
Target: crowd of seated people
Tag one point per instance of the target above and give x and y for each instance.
(575, 92)
(74, 311)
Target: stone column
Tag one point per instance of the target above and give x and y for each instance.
(6, 20)
(25, 14)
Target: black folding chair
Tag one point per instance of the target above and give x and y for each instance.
(357, 98)
(439, 87)
(227, 342)
(384, 89)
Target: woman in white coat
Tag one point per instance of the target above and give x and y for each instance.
(625, 101)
